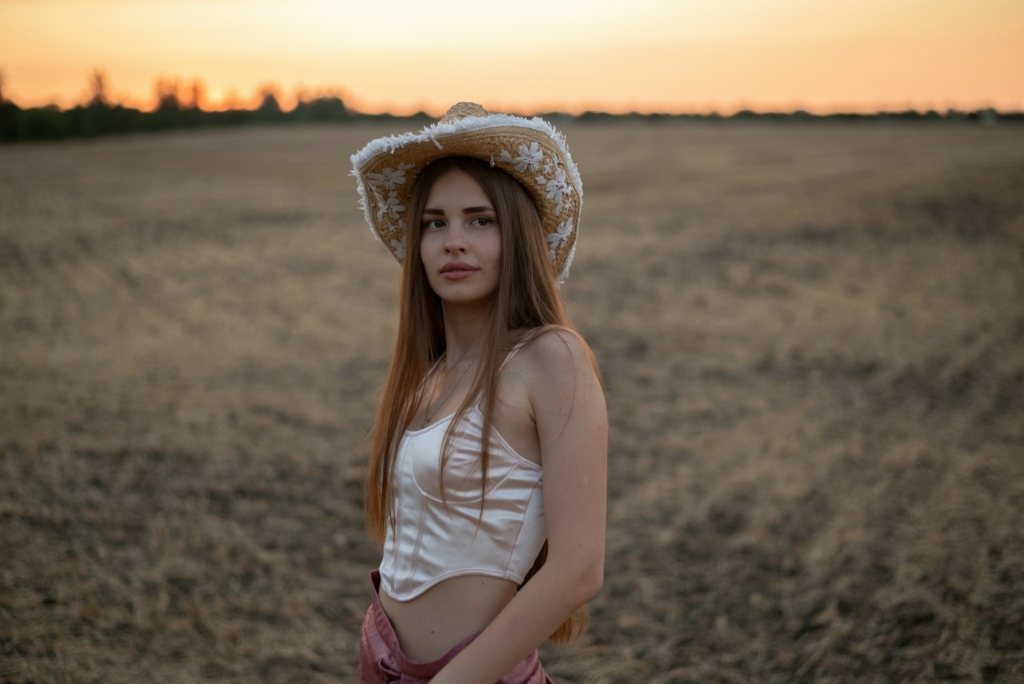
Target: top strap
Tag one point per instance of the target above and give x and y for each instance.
(515, 350)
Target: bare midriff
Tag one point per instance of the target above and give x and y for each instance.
(439, 618)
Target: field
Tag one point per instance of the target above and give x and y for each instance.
(812, 337)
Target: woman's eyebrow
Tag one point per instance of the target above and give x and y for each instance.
(467, 210)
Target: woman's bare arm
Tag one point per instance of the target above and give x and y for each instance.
(572, 424)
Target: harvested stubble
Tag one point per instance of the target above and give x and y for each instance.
(813, 343)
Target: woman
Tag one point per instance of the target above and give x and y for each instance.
(491, 546)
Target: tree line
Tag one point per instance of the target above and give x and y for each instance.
(180, 107)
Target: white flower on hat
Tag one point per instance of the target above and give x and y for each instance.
(399, 247)
(389, 206)
(556, 187)
(529, 158)
(390, 177)
(559, 237)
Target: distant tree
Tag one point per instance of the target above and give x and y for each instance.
(12, 120)
(196, 94)
(325, 105)
(988, 117)
(98, 89)
(269, 103)
(167, 97)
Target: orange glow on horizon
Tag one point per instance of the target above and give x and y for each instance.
(549, 55)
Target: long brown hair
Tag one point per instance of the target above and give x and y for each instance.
(527, 298)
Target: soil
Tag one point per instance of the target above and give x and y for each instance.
(812, 339)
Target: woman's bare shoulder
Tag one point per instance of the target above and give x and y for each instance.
(566, 397)
(555, 355)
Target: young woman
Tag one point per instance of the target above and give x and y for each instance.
(487, 478)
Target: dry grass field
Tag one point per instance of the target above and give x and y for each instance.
(813, 342)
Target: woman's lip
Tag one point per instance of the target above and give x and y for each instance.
(457, 274)
(457, 266)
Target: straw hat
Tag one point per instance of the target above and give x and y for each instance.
(529, 150)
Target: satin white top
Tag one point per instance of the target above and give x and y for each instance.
(430, 541)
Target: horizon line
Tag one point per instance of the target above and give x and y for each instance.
(576, 112)
(194, 91)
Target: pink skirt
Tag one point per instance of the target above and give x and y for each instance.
(381, 660)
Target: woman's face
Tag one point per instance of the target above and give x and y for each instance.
(460, 243)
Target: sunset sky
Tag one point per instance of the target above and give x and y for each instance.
(528, 55)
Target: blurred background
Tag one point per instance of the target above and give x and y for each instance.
(801, 268)
(404, 56)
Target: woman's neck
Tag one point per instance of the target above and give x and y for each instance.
(464, 331)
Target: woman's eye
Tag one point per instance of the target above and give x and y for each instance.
(483, 221)
(432, 224)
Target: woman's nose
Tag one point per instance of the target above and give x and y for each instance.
(455, 238)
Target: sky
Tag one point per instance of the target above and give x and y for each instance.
(526, 55)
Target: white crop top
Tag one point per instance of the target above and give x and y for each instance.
(430, 542)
